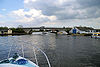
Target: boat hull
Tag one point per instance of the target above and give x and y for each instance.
(10, 64)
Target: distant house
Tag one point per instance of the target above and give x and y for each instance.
(9, 31)
(5, 31)
(81, 30)
(97, 30)
(74, 30)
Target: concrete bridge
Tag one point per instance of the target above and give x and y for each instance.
(29, 30)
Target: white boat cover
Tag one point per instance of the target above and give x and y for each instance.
(28, 64)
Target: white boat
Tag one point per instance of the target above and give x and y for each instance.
(17, 61)
(62, 32)
(96, 35)
(44, 32)
(37, 33)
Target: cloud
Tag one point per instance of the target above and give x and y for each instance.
(69, 12)
(27, 1)
(31, 16)
(57, 13)
(3, 9)
(1, 15)
(67, 9)
(89, 3)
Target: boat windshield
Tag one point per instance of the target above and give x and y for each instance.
(22, 61)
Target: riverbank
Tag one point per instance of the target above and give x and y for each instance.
(42, 33)
(13, 34)
(81, 34)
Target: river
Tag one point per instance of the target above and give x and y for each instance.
(62, 50)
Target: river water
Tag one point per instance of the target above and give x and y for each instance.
(62, 50)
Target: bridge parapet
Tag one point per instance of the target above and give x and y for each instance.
(30, 29)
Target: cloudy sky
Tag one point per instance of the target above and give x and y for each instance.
(50, 13)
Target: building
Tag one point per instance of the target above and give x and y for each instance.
(5, 31)
(81, 30)
(97, 30)
(9, 31)
(74, 30)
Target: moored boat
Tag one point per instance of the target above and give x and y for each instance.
(62, 32)
(96, 35)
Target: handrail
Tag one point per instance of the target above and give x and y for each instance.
(22, 50)
(43, 54)
(34, 53)
(35, 56)
(9, 51)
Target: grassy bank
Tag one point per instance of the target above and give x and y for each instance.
(81, 34)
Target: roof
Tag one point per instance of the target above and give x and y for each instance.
(4, 30)
(85, 28)
(96, 29)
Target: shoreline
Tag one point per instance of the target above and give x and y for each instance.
(13, 34)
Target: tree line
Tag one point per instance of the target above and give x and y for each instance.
(14, 30)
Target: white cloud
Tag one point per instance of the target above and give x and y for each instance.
(31, 16)
(1, 16)
(52, 18)
(3, 9)
(61, 2)
(57, 13)
(27, 1)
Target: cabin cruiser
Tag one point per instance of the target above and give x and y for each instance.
(96, 35)
(62, 32)
(37, 33)
(44, 32)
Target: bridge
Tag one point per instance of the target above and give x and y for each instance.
(29, 30)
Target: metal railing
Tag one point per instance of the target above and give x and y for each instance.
(34, 47)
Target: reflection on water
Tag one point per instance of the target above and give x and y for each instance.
(62, 50)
